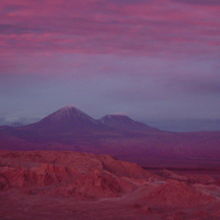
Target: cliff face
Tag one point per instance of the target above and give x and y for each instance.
(68, 173)
(71, 185)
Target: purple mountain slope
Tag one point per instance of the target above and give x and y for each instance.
(66, 119)
(120, 136)
(72, 121)
(123, 122)
(70, 125)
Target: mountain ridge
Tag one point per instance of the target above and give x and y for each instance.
(70, 118)
(119, 121)
(67, 117)
(118, 135)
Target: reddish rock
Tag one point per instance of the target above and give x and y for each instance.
(176, 194)
(69, 173)
(43, 185)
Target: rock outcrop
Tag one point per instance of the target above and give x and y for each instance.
(68, 173)
(42, 185)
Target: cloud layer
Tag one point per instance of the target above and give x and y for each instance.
(109, 26)
(147, 54)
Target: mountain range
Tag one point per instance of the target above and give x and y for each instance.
(71, 129)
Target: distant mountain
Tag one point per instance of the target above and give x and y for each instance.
(71, 129)
(70, 122)
(70, 125)
(68, 118)
(123, 122)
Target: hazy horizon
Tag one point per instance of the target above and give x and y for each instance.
(175, 125)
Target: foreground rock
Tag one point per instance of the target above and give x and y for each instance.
(69, 185)
(67, 173)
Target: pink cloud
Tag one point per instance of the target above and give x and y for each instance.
(94, 26)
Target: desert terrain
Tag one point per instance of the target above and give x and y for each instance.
(67, 185)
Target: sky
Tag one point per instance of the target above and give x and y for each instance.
(150, 59)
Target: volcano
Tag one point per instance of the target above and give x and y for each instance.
(125, 123)
(118, 135)
(68, 118)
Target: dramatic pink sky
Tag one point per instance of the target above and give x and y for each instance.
(151, 59)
